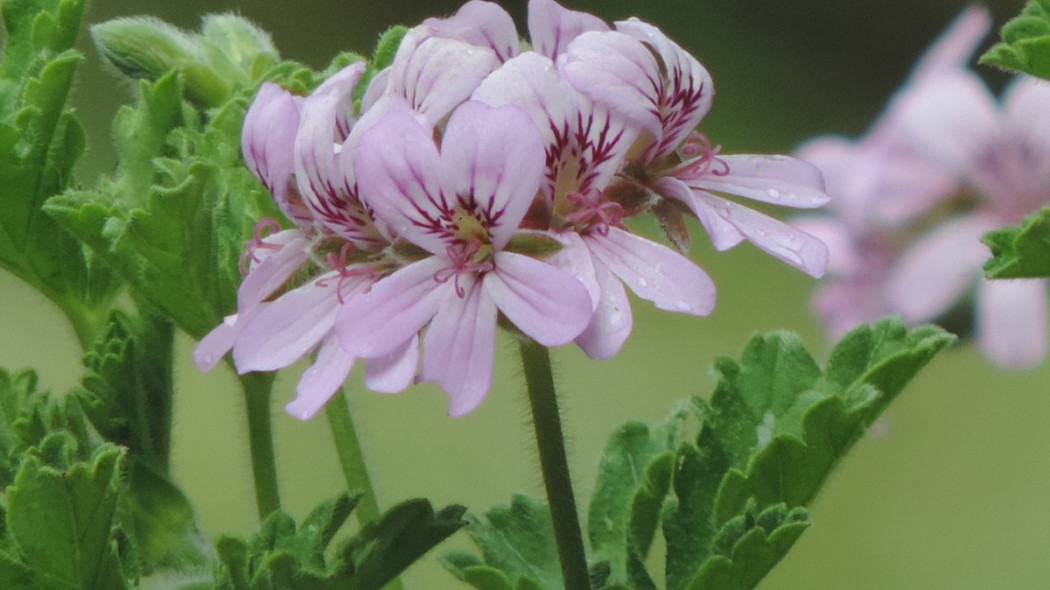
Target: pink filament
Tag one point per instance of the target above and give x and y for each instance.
(264, 228)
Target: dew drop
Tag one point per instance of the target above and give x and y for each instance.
(683, 306)
(773, 193)
(642, 282)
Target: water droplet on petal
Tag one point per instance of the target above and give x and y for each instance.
(642, 282)
(683, 306)
(773, 193)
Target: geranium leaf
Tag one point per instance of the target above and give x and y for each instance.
(1026, 42)
(1020, 251)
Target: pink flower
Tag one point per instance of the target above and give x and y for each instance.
(461, 205)
(663, 91)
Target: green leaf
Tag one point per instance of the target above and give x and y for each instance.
(1026, 42)
(1022, 251)
(63, 522)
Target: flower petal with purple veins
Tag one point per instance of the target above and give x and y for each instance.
(435, 74)
(395, 371)
(612, 320)
(272, 271)
(492, 161)
(460, 347)
(321, 380)
(780, 180)
(378, 322)
(1012, 322)
(398, 171)
(655, 272)
(479, 23)
(552, 26)
(267, 140)
(546, 303)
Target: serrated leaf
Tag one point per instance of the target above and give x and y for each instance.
(1026, 42)
(63, 522)
(1020, 251)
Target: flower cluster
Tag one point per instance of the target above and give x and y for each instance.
(945, 163)
(483, 176)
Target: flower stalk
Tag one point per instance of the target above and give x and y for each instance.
(546, 420)
(351, 459)
(258, 388)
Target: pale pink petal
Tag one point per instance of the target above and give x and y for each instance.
(484, 24)
(376, 323)
(546, 303)
(552, 27)
(378, 86)
(781, 180)
(321, 380)
(492, 160)
(937, 270)
(1012, 322)
(215, 344)
(575, 258)
(395, 371)
(274, 269)
(283, 331)
(1025, 104)
(842, 244)
(618, 71)
(723, 235)
(398, 172)
(686, 88)
(955, 47)
(436, 74)
(267, 140)
(654, 272)
(612, 320)
(776, 238)
(846, 302)
(459, 348)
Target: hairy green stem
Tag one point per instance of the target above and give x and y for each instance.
(257, 390)
(555, 466)
(352, 461)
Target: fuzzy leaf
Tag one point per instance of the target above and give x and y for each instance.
(1022, 251)
(63, 523)
(1026, 42)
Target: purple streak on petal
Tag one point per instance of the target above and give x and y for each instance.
(1012, 322)
(575, 259)
(612, 320)
(273, 270)
(435, 74)
(459, 348)
(686, 89)
(484, 24)
(543, 301)
(781, 180)
(321, 380)
(654, 272)
(395, 371)
(398, 172)
(617, 70)
(267, 140)
(938, 269)
(724, 235)
(397, 307)
(210, 350)
(492, 160)
(552, 27)
(281, 332)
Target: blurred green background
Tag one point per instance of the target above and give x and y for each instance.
(952, 492)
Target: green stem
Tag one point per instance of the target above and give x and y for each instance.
(351, 459)
(554, 464)
(257, 390)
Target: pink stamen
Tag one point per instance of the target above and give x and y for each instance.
(593, 212)
(703, 157)
(460, 254)
(264, 228)
(339, 264)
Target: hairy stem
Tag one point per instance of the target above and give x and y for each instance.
(352, 461)
(257, 390)
(551, 442)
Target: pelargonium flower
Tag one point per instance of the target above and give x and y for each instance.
(881, 183)
(461, 204)
(663, 91)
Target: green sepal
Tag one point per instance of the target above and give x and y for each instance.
(63, 523)
(1026, 42)
(1020, 251)
(386, 46)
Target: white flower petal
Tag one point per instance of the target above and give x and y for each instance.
(1012, 322)
(612, 320)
